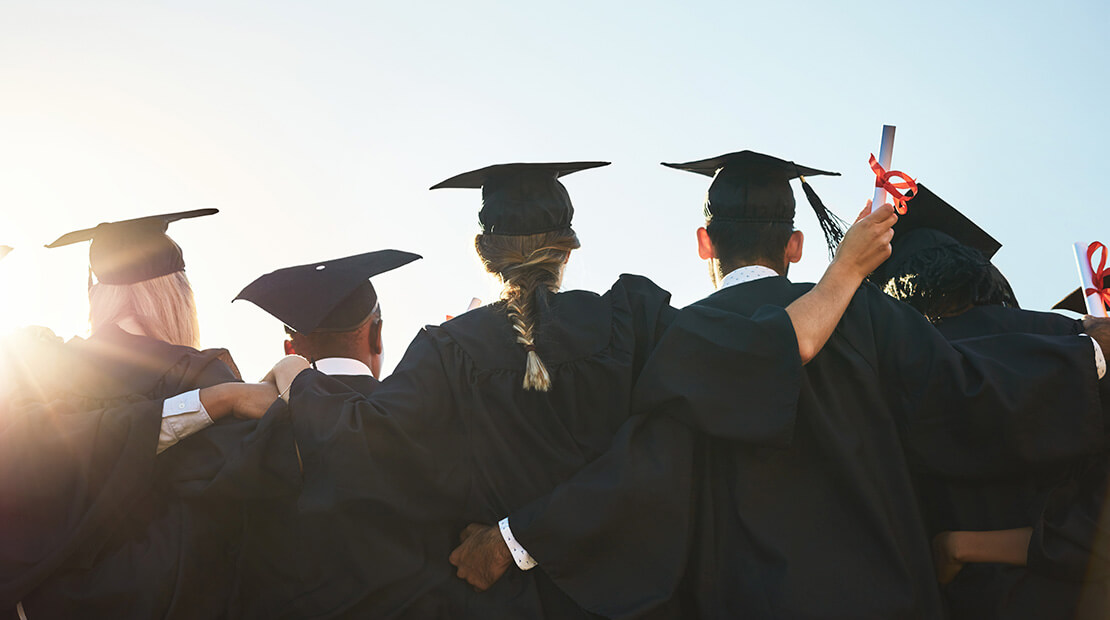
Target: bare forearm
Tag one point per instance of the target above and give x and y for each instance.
(997, 546)
(217, 400)
(816, 314)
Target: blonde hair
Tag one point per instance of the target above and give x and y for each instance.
(164, 307)
(527, 264)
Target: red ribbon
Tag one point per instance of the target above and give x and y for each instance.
(1098, 275)
(883, 180)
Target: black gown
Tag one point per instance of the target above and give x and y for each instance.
(1063, 500)
(304, 563)
(93, 523)
(807, 511)
(452, 437)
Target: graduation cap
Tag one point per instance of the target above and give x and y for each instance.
(334, 295)
(135, 250)
(1075, 301)
(753, 187)
(522, 199)
(933, 223)
(4, 251)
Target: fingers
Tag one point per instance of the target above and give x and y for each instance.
(469, 531)
(473, 578)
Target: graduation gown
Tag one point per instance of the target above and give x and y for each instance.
(810, 511)
(92, 523)
(304, 563)
(452, 437)
(1063, 500)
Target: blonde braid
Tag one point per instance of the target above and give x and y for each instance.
(525, 263)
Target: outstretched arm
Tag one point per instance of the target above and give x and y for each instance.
(866, 245)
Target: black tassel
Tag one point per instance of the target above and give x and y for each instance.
(831, 225)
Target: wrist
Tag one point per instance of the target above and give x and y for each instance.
(846, 272)
(217, 400)
(959, 548)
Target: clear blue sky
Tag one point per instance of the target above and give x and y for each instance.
(317, 127)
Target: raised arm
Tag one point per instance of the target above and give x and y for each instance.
(866, 245)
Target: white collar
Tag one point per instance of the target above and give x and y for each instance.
(746, 274)
(342, 366)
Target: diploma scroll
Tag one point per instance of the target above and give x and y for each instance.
(1092, 295)
(474, 303)
(886, 154)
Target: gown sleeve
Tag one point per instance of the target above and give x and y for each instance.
(713, 372)
(1071, 540)
(976, 407)
(71, 466)
(406, 438)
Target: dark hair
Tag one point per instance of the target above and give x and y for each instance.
(744, 243)
(944, 281)
(325, 343)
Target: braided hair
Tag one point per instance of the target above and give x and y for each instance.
(528, 265)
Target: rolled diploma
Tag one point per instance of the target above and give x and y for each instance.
(886, 154)
(1095, 306)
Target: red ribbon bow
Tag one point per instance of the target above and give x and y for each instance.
(883, 180)
(1098, 275)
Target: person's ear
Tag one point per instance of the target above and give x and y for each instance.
(289, 348)
(706, 250)
(374, 337)
(794, 247)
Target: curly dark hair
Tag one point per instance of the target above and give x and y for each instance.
(944, 281)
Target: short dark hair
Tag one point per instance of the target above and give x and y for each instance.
(745, 243)
(943, 281)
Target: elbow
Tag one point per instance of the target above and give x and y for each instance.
(807, 351)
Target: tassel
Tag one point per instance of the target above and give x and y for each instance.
(831, 225)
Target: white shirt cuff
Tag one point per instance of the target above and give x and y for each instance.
(520, 556)
(182, 416)
(1100, 359)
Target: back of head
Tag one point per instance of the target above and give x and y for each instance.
(527, 265)
(947, 280)
(526, 239)
(346, 330)
(164, 307)
(750, 207)
(749, 243)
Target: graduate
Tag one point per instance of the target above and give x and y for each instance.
(497, 406)
(940, 265)
(102, 474)
(298, 560)
(806, 510)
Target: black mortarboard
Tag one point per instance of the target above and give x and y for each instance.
(522, 199)
(1076, 301)
(932, 223)
(135, 250)
(753, 187)
(334, 295)
(4, 250)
